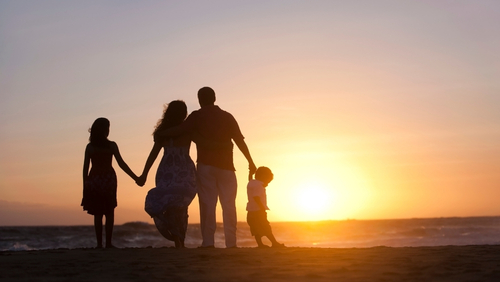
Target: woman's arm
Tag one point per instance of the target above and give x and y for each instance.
(149, 162)
(184, 128)
(121, 162)
(202, 142)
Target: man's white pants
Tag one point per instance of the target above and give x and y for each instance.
(216, 183)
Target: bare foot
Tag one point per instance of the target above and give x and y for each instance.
(206, 247)
(179, 244)
(278, 245)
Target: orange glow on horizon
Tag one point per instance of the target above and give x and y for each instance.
(320, 191)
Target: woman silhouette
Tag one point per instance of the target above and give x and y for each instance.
(168, 202)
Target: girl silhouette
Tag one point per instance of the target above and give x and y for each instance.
(99, 186)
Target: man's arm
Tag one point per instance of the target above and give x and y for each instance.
(244, 149)
(204, 143)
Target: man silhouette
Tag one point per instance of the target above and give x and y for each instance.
(215, 168)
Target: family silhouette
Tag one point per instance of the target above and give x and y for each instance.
(178, 180)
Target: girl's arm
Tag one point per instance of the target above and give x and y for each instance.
(121, 162)
(149, 162)
(86, 164)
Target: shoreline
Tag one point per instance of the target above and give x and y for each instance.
(440, 263)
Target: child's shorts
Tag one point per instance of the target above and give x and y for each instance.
(259, 225)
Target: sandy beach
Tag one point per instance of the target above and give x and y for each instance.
(446, 263)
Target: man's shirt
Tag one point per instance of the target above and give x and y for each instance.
(216, 125)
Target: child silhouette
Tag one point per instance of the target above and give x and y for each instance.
(257, 207)
(99, 186)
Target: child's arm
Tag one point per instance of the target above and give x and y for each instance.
(149, 162)
(121, 162)
(86, 164)
(259, 202)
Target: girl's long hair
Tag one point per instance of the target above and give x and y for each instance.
(174, 114)
(99, 132)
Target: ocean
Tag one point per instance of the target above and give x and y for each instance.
(321, 234)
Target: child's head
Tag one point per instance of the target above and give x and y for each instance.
(264, 174)
(174, 114)
(99, 132)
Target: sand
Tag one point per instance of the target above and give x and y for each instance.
(447, 263)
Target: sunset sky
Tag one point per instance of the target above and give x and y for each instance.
(362, 109)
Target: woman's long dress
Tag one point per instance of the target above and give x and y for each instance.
(175, 189)
(99, 192)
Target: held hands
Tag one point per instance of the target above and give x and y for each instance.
(141, 180)
(251, 170)
(135, 177)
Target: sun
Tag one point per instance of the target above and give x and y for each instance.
(314, 200)
(316, 193)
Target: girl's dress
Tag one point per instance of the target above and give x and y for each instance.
(175, 189)
(99, 192)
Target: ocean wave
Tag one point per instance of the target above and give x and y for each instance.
(140, 225)
(337, 234)
(19, 247)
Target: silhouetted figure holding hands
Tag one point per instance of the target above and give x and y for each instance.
(257, 207)
(215, 168)
(99, 186)
(168, 202)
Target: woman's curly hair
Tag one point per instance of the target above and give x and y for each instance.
(174, 114)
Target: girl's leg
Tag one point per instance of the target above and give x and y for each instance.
(110, 221)
(98, 229)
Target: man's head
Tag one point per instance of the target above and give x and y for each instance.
(206, 96)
